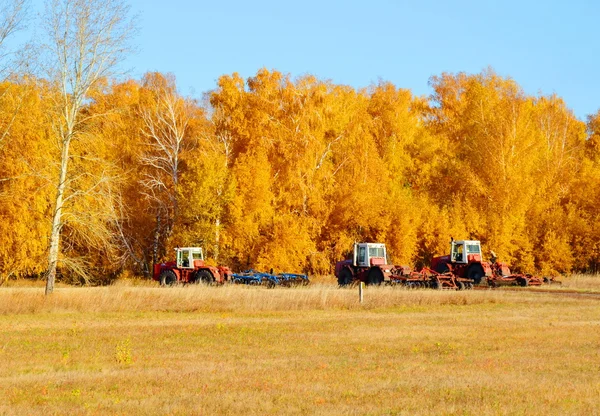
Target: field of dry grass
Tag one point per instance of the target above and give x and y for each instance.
(140, 349)
(584, 282)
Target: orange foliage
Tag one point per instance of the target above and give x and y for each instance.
(286, 173)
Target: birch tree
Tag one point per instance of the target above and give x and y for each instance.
(166, 117)
(87, 39)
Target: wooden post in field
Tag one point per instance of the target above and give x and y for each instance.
(361, 288)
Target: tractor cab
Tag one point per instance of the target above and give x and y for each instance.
(369, 254)
(187, 255)
(465, 251)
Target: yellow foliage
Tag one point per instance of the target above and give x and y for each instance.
(287, 173)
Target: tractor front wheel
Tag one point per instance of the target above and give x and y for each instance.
(476, 273)
(375, 276)
(168, 278)
(345, 278)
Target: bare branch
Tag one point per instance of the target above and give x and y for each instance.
(87, 39)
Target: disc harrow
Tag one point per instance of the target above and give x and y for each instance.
(427, 278)
(256, 278)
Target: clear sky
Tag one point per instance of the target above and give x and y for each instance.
(546, 46)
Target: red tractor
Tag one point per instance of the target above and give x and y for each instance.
(189, 268)
(368, 264)
(464, 261)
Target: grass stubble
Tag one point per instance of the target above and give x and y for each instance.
(131, 349)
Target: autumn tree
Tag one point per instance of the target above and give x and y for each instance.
(24, 191)
(492, 148)
(167, 123)
(18, 253)
(86, 41)
(206, 188)
(511, 162)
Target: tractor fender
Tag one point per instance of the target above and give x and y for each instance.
(345, 275)
(487, 268)
(350, 269)
(224, 272)
(386, 269)
(343, 264)
(476, 272)
(439, 263)
(216, 274)
(161, 267)
(156, 271)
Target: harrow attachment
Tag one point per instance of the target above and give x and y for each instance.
(291, 279)
(256, 278)
(501, 276)
(427, 278)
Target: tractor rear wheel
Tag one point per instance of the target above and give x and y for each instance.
(168, 278)
(442, 268)
(204, 277)
(476, 273)
(375, 276)
(345, 278)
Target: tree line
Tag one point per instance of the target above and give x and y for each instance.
(101, 176)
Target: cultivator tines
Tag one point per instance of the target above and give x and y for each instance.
(255, 278)
(449, 281)
(292, 279)
(501, 276)
(427, 278)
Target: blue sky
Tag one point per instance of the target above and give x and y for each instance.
(547, 47)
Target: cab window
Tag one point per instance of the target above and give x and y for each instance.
(185, 258)
(473, 249)
(362, 254)
(458, 253)
(376, 252)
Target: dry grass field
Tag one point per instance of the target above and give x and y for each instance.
(137, 349)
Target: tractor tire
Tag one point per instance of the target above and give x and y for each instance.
(524, 282)
(168, 278)
(345, 278)
(442, 268)
(437, 284)
(460, 286)
(375, 276)
(203, 277)
(476, 273)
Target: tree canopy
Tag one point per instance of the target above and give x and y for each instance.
(279, 172)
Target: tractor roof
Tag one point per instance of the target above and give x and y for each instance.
(467, 242)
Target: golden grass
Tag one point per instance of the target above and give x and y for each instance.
(589, 282)
(310, 350)
(229, 298)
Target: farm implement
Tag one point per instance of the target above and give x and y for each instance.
(501, 276)
(462, 269)
(255, 278)
(368, 264)
(190, 267)
(429, 278)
